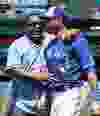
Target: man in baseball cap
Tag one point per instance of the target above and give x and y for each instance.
(72, 66)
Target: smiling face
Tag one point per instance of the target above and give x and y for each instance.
(55, 26)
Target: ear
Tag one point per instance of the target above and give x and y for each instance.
(71, 33)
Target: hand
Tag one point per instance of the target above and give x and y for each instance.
(97, 109)
(92, 76)
(39, 68)
(92, 79)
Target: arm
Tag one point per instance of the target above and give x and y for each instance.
(27, 75)
(13, 61)
(15, 58)
(40, 75)
(86, 59)
(39, 72)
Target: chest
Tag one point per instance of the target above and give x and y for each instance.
(72, 63)
(32, 56)
(55, 53)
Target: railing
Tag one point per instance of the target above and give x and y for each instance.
(31, 7)
(31, 11)
(98, 92)
(24, 3)
(3, 60)
(3, 56)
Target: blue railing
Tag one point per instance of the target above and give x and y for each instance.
(3, 56)
(31, 7)
(28, 3)
(31, 11)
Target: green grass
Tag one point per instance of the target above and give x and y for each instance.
(85, 114)
(3, 105)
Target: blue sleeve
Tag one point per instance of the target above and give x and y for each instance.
(84, 53)
(13, 56)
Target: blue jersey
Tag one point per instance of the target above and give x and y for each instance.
(59, 62)
(78, 58)
(55, 58)
(54, 55)
(66, 60)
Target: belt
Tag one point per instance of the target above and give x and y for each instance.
(72, 83)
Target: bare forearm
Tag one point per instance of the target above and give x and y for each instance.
(19, 74)
(40, 75)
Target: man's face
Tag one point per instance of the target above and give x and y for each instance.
(55, 26)
(37, 28)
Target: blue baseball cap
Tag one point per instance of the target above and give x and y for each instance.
(55, 11)
(59, 11)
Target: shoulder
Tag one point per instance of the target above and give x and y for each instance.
(80, 41)
(21, 42)
(83, 34)
(20, 45)
(79, 36)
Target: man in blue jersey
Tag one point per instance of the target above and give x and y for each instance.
(75, 63)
